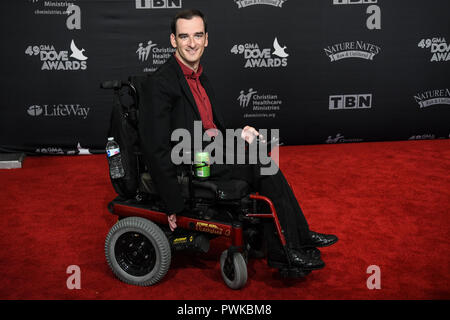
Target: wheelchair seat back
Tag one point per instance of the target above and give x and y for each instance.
(124, 128)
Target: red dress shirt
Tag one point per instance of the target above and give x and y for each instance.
(200, 96)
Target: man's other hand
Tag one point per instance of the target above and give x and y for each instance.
(250, 133)
(172, 221)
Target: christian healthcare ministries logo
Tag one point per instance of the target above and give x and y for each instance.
(156, 54)
(59, 60)
(257, 57)
(263, 105)
(353, 49)
(433, 97)
(341, 139)
(158, 4)
(248, 3)
(59, 110)
(439, 48)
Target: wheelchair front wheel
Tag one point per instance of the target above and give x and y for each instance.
(234, 270)
(137, 251)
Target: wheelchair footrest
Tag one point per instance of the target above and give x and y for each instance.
(293, 272)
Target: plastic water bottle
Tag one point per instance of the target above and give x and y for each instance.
(114, 159)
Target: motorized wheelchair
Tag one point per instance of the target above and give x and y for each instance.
(139, 247)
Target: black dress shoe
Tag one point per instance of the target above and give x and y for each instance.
(299, 259)
(312, 252)
(302, 260)
(321, 239)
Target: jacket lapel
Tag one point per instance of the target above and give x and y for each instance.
(209, 91)
(185, 87)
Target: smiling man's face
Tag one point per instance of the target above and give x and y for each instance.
(190, 41)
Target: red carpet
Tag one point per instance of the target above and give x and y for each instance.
(388, 202)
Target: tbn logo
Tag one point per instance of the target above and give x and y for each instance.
(158, 4)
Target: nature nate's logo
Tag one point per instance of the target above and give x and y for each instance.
(247, 3)
(257, 57)
(433, 97)
(439, 49)
(352, 49)
(53, 59)
(149, 52)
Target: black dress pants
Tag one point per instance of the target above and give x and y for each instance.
(276, 188)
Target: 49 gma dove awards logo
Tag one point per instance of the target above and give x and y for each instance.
(439, 48)
(53, 59)
(256, 56)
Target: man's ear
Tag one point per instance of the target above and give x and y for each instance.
(173, 42)
(206, 41)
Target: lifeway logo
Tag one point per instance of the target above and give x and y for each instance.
(247, 3)
(263, 104)
(156, 54)
(353, 49)
(433, 97)
(256, 57)
(158, 4)
(58, 110)
(59, 60)
(350, 102)
(438, 47)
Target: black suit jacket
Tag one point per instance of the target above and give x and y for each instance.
(166, 103)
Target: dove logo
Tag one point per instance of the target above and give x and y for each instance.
(278, 50)
(257, 57)
(77, 53)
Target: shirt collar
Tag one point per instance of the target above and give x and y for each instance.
(188, 72)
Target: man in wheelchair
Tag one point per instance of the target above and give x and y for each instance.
(256, 206)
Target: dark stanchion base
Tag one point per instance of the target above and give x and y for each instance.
(11, 160)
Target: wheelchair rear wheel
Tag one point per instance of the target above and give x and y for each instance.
(234, 270)
(137, 251)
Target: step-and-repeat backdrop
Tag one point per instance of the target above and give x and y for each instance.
(320, 71)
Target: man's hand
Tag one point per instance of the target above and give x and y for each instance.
(249, 134)
(172, 221)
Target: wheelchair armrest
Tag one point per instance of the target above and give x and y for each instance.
(205, 184)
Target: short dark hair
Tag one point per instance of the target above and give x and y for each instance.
(187, 14)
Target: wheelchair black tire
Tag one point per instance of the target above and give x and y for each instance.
(153, 253)
(237, 267)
